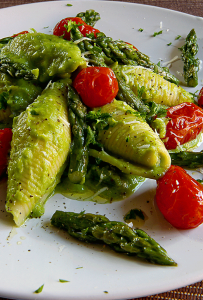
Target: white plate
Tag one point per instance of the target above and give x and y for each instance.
(37, 254)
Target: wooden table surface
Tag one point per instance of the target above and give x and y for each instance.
(193, 7)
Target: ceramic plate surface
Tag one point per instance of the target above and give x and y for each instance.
(36, 253)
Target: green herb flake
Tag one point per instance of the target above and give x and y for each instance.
(63, 280)
(69, 5)
(140, 29)
(39, 290)
(106, 292)
(127, 139)
(133, 214)
(169, 44)
(158, 33)
(79, 268)
(71, 25)
(34, 113)
(178, 37)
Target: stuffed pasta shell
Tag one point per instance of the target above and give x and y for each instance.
(39, 149)
(130, 144)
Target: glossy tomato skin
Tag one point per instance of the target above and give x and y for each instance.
(97, 86)
(180, 198)
(5, 145)
(60, 29)
(185, 123)
(200, 98)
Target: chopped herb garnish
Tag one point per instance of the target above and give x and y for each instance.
(127, 139)
(39, 290)
(169, 44)
(133, 214)
(63, 280)
(71, 25)
(141, 30)
(69, 5)
(178, 37)
(34, 113)
(157, 33)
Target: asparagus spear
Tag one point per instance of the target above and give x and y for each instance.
(90, 17)
(79, 149)
(191, 64)
(118, 235)
(124, 53)
(187, 159)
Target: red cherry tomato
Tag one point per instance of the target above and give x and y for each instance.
(186, 122)
(5, 142)
(60, 28)
(180, 198)
(22, 32)
(200, 98)
(97, 86)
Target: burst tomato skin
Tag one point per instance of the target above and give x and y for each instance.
(22, 32)
(5, 145)
(97, 86)
(185, 123)
(60, 29)
(200, 98)
(180, 198)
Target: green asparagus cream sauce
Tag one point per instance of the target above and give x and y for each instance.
(102, 185)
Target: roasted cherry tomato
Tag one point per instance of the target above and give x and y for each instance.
(22, 32)
(97, 86)
(5, 145)
(180, 198)
(60, 28)
(200, 98)
(185, 123)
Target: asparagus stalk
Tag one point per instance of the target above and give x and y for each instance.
(188, 159)
(118, 235)
(126, 54)
(18, 70)
(90, 17)
(79, 150)
(191, 64)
